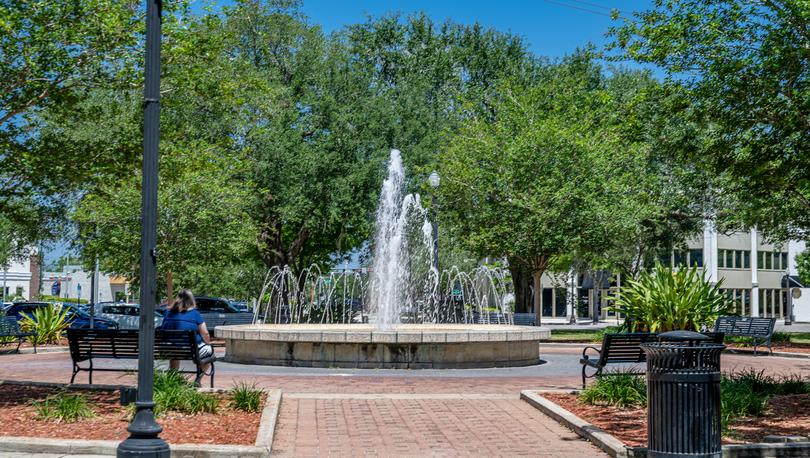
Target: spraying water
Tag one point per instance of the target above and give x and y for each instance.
(402, 285)
(391, 267)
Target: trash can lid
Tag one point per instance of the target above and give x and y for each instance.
(678, 336)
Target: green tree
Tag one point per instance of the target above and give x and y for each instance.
(343, 102)
(740, 70)
(674, 193)
(550, 178)
(202, 223)
(50, 49)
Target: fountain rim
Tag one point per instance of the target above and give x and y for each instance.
(403, 333)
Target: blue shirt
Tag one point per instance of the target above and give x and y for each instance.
(189, 320)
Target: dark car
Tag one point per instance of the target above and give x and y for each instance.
(76, 317)
(241, 306)
(214, 305)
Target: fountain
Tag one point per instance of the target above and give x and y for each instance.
(410, 322)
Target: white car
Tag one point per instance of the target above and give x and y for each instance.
(127, 315)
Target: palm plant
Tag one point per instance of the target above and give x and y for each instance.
(665, 300)
(47, 322)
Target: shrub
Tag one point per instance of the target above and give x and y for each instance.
(47, 322)
(63, 407)
(600, 334)
(620, 390)
(743, 395)
(746, 393)
(174, 393)
(665, 300)
(246, 397)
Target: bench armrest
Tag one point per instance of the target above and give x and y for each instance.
(591, 347)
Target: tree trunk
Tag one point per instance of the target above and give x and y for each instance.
(169, 286)
(522, 283)
(538, 297)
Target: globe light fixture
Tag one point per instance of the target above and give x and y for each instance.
(434, 179)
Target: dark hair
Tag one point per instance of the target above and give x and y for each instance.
(184, 301)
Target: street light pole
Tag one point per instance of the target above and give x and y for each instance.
(434, 181)
(144, 439)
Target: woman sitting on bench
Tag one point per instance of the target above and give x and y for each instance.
(183, 316)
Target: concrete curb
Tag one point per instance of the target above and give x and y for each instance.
(30, 350)
(553, 344)
(85, 447)
(267, 424)
(605, 441)
(616, 448)
(78, 386)
(784, 354)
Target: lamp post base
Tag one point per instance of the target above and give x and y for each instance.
(144, 441)
(143, 448)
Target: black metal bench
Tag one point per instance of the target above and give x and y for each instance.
(89, 344)
(10, 328)
(624, 348)
(518, 319)
(616, 348)
(760, 330)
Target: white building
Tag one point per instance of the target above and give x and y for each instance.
(755, 275)
(20, 279)
(73, 282)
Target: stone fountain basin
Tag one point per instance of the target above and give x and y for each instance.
(409, 346)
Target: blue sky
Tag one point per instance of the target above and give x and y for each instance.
(550, 27)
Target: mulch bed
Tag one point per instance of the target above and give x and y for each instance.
(786, 415)
(17, 418)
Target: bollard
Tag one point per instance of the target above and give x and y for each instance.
(683, 396)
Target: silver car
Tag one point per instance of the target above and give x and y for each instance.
(127, 315)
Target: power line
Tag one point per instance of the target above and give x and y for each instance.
(597, 5)
(580, 8)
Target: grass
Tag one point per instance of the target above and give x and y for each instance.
(581, 335)
(246, 397)
(620, 390)
(174, 393)
(63, 407)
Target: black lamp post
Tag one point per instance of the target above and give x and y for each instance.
(144, 439)
(434, 181)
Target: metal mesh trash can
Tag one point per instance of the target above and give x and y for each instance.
(683, 396)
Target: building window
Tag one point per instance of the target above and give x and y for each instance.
(772, 260)
(696, 257)
(772, 302)
(746, 257)
(739, 300)
(734, 259)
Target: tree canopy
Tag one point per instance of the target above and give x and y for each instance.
(552, 176)
(741, 70)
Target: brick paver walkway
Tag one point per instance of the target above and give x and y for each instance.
(421, 426)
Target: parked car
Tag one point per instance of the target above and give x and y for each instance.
(76, 317)
(220, 312)
(241, 306)
(127, 315)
